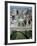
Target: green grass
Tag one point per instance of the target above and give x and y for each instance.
(20, 35)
